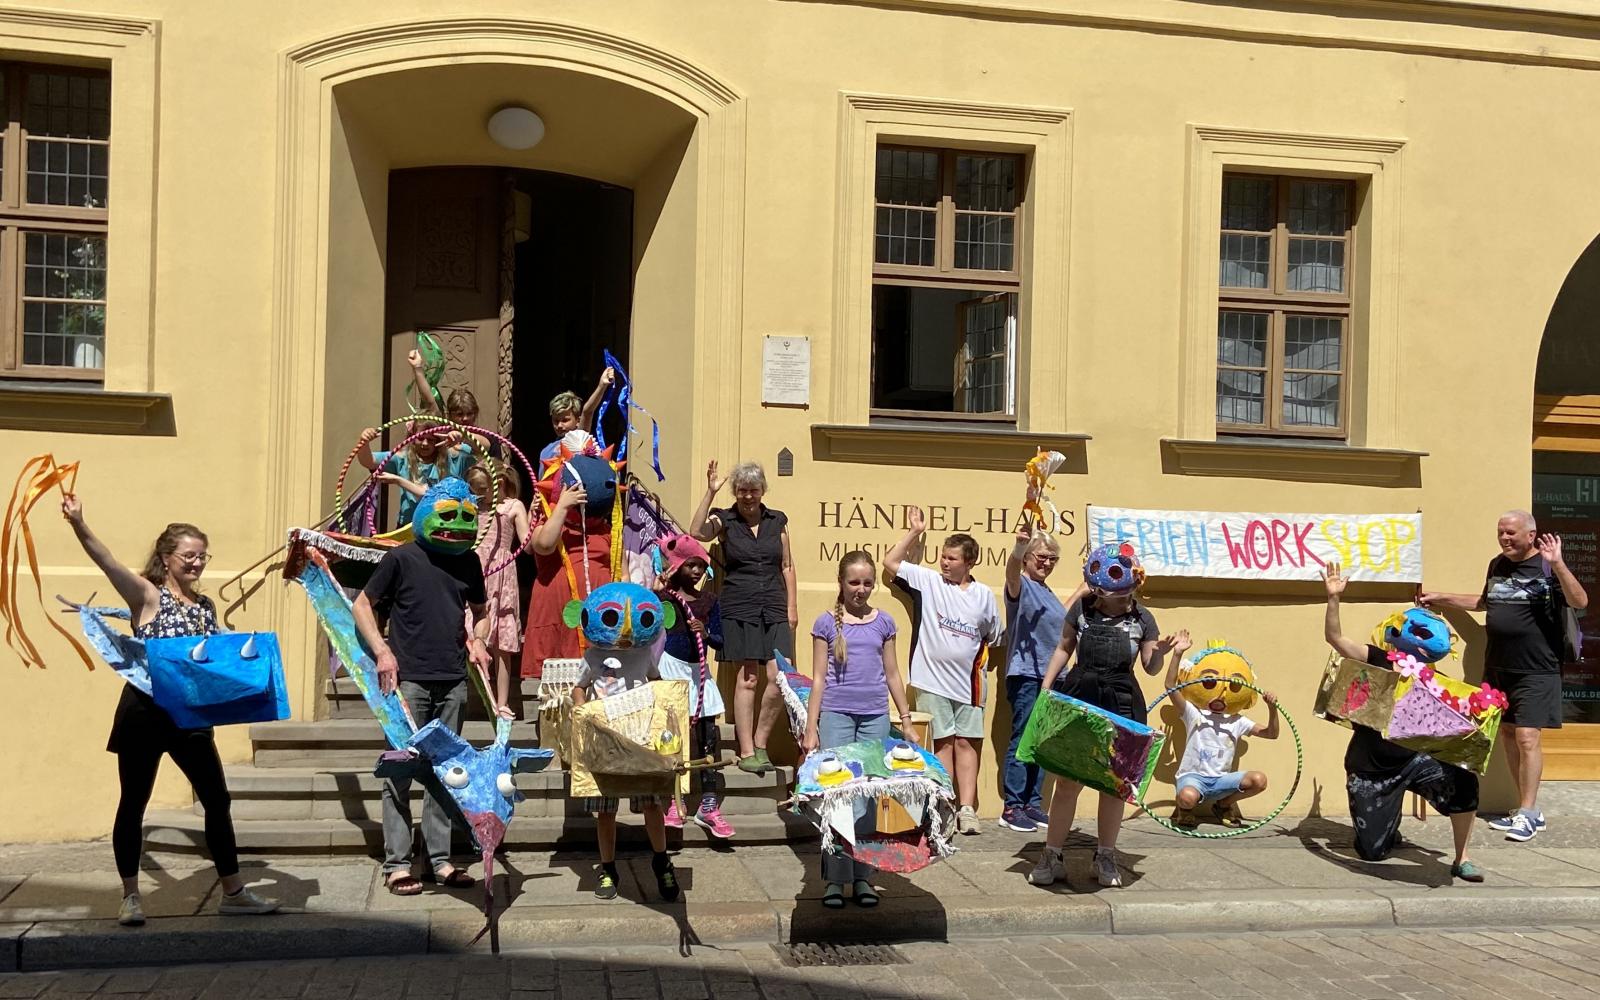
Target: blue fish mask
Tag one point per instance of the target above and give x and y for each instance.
(446, 518)
(1113, 568)
(1417, 631)
(620, 616)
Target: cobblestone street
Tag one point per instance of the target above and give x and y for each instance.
(1551, 962)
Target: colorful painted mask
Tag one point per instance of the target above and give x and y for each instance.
(580, 461)
(1223, 672)
(1418, 631)
(446, 518)
(1113, 568)
(620, 616)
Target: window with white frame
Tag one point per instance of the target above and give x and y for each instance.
(946, 278)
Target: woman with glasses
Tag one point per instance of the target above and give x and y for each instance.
(1034, 619)
(165, 603)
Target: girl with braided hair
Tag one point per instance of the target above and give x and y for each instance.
(855, 674)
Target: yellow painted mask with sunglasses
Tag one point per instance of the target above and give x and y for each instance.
(1223, 672)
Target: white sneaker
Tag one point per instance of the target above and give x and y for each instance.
(1050, 868)
(967, 821)
(1105, 868)
(131, 912)
(245, 903)
(1522, 828)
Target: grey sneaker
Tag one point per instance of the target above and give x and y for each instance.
(1522, 828)
(967, 821)
(245, 903)
(1105, 868)
(1050, 868)
(131, 912)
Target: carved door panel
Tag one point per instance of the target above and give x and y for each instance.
(443, 277)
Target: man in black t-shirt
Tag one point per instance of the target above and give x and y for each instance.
(423, 589)
(1525, 592)
(1379, 773)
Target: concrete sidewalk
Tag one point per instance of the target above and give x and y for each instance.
(58, 902)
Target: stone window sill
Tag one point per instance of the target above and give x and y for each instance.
(1297, 461)
(936, 445)
(67, 407)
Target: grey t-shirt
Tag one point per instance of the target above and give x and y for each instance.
(612, 671)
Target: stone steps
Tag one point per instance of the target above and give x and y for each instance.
(183, 831)
(324, 792)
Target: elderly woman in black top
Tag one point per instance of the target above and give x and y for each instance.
(758, 599)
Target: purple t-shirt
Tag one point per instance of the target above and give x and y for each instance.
(857, 688)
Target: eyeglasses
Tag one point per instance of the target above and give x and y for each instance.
(1041, 557)
(191, 559)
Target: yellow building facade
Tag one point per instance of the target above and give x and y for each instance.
(994, 225)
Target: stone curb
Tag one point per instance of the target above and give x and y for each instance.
(69, 944)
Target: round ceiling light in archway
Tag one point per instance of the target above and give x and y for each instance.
(516, 127)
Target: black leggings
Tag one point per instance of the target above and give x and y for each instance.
(195, 753)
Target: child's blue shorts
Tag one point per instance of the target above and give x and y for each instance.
(1212, 787)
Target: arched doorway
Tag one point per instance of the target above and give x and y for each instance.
(357, 108)
(1566, 494)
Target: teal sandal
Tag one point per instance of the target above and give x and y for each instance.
(833, 896)
(863, 894)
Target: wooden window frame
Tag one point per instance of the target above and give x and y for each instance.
(944, 274)
(1279, 303)
(19, 217)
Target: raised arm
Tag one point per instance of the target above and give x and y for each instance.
(915, 526)
(1181, 643)
(135, 591)
(412, 487)
(420, 378)
(591, 406)
(364, 448)
(705, 525)
(1333, 579)
(546, 538)
(1271, 732)
(1014, 564)
(1576, 597)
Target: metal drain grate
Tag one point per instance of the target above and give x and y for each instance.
(825, 954)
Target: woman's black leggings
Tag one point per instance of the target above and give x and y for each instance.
(196, 755)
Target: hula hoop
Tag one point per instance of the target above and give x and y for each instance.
(1299, 768)
(494, 481)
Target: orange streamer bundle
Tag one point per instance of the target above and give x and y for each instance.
(39, 475)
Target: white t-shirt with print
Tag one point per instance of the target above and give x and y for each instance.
(1213, 740)
(950, 627)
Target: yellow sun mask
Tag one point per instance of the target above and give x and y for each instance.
(1224, 672)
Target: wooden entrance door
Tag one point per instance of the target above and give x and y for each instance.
(1566, 500)
(443, 276)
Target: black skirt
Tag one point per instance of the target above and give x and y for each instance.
(141, 724)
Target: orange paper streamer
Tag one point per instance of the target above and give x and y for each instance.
(39, 475)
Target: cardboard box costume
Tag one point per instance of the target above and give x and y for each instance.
(1414, 706)
(1089, 745)
(913, 817)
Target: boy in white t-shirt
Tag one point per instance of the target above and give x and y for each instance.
(954, 619)
(1212, 716)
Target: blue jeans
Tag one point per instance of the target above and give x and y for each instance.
(1021, 780)
(836, 729)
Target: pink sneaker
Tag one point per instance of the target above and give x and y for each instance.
(714, 824)
(673, 817)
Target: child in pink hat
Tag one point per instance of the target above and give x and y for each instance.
(684, 656)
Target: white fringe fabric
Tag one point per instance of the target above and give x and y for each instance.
(794, 706)
(556, 682)
(343, 550)
(935, 800)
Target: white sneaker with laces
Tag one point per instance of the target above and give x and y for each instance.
(1050, 868)
(1105, 868)
(245, 903)
(1522, 828)
(131, 912)
(967, 821)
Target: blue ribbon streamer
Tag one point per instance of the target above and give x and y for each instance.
(621, 392)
